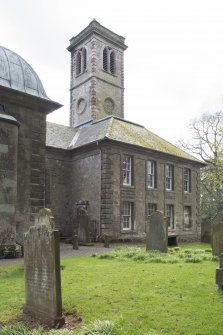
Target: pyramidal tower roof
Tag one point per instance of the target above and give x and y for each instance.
(95, 27)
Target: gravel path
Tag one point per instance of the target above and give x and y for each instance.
(66, 250)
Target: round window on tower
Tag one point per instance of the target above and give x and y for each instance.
(81, 106)
(109, 105)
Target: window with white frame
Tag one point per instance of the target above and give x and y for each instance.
(169, 213)
(151, 208)
(169, 177)
(127, 170)
(127, 215)
(151, 174)
(187, 180)
(187, 217)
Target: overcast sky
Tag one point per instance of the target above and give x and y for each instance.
(173, 64)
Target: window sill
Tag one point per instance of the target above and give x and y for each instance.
(171, 230)
(79, 74)
(132, 232)
(127, 186)
(112, 74)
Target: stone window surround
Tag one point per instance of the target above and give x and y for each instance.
(151, 174)
(109, 60)
(187, 180)
(169, 177)
(187, 215)
(151, 207)
(81, 61)
(127, 170)
(169, 213)
(127, 216)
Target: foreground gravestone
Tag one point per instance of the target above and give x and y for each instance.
(42, 271)
(217, 234)
(157, 233)
(219, 273)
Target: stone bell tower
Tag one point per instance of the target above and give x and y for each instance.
(97, 74)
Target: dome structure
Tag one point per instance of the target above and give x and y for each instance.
(17, 74)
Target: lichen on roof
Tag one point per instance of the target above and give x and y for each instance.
(115, 129)
(134, 134)
(59, 136)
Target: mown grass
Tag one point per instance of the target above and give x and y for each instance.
(138, 297)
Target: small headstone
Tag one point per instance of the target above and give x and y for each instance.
(219, 274)
(217, 234)
(75, 242)
(157, 232)
(42, 271)
(83, 222)
(206, 231)
(106, 241)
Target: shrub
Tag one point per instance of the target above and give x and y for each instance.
(99, 327)
(215, 258)
(194, 259)
(14, 330)
(59, 332)
(151, 332)
(174, 255)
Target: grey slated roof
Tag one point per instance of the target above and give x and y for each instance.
(17, 74)
(59, 136)
(111, 128)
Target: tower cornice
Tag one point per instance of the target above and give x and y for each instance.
(96, 28)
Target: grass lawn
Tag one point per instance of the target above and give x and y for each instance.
(141, 297)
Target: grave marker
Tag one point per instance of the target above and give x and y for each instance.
(42, 271)
(217, 234)
(157, 232)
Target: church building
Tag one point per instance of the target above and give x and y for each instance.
(116, 170)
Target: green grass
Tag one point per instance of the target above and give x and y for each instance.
(138, 296)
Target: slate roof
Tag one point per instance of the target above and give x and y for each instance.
(111, 128)
(59, 136)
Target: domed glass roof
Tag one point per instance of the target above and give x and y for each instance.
(16, 73)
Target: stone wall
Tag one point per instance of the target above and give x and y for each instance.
(58, 188)
(8, 179)
(94, 174)
(31, 164)
(72, 176)
(86, 182)
(114, 193)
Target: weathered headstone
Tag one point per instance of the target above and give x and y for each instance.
(219, 273)
(42, 271)
(206, 228)
(217, 234)
(106, 241)
(75, 242)
(8, 179)
(157, 232)
(83, 222)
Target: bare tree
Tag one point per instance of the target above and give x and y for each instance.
(207, 143)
